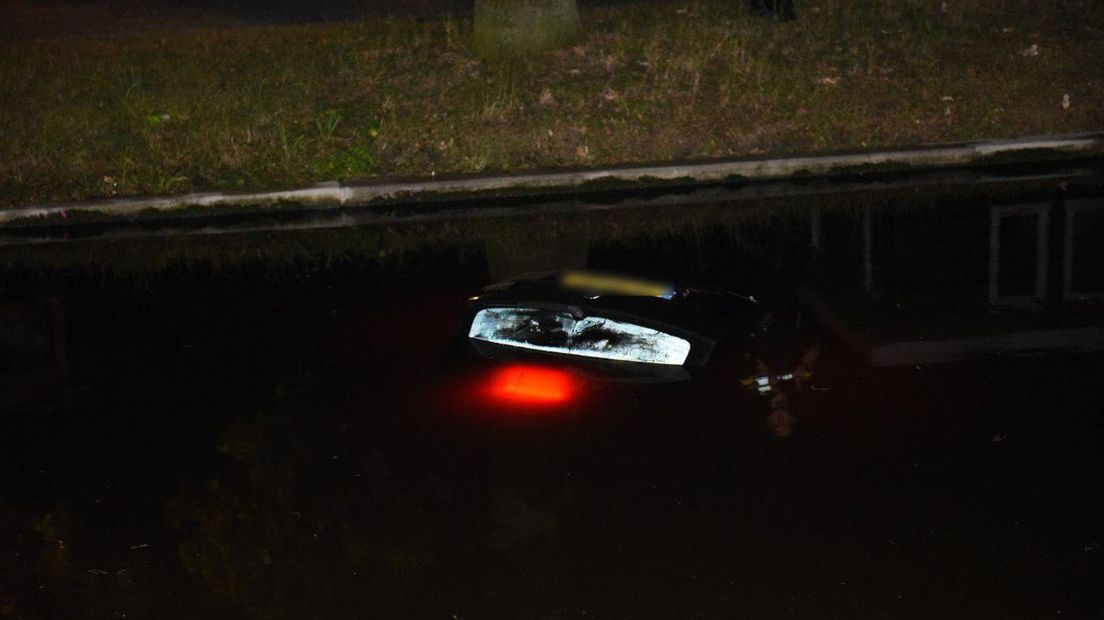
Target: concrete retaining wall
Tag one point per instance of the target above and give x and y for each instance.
(350, 196)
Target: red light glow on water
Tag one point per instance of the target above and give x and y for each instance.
(533, 385)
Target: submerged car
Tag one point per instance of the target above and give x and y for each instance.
(614, 325)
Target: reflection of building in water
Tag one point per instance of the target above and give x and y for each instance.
(34, 356)
(1024, 242)
(1083, 249)
(913, 287)
(509, 258)
(1019, 253)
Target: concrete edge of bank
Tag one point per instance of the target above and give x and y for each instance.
(336, 196)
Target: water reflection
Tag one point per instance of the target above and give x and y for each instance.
(978, 281)
(280, 438)
(34, 357)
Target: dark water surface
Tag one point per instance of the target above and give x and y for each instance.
(288, 424)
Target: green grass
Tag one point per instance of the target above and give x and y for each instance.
(265, 107)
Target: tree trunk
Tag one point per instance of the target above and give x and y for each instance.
(513, 28)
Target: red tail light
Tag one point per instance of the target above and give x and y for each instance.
(535, 385)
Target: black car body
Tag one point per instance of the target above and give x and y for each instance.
(616, 326)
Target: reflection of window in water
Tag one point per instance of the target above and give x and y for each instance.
(1018, 253)
(1084, 237)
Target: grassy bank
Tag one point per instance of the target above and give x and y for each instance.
(264, 107)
